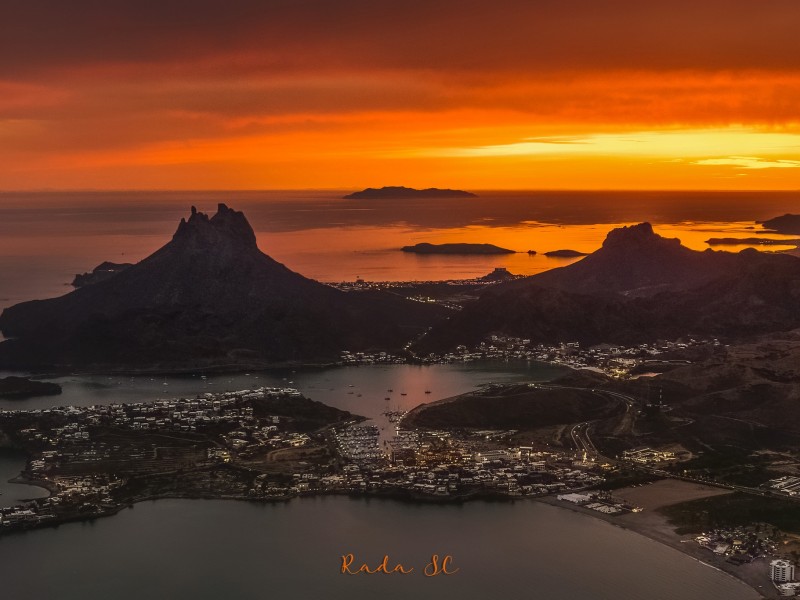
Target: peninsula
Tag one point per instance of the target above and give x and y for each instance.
(426, 248)
(406, 193)
(23, 387)
(787, 223)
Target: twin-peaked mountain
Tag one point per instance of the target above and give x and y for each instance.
(209, 297)
(638, 287)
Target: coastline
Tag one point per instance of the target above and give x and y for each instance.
(657, 529)
(46, 485)
(649, 524)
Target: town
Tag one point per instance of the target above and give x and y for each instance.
(263, 444)
(613, 360)
(273, 444)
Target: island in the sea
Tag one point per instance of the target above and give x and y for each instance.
(23, 387)
(399, 192)
(425, 248)
(565, 253)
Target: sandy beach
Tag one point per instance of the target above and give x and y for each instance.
(655, 526)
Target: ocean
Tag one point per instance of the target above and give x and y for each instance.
(48, 237)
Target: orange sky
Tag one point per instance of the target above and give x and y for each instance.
(532, 94)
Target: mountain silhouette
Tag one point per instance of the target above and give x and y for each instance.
(635, 261)
(209, 297)
(638, 287)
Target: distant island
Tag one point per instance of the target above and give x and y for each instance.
(22, 387)
(565, 253)
(753, 241)
(406, 193)
(425, 248)
(787, 223)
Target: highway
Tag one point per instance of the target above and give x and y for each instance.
(581, 439)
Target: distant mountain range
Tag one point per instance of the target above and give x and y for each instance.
(208, 298)
(405, 193)
(638, 287)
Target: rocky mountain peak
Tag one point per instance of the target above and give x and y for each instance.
(637, 238)
(227, 228)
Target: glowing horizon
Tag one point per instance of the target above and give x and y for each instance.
(519, 95)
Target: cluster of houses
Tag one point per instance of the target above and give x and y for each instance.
(788, 485)
(72, 455)
(440, 464)
(599, 502)
(647, 456)
(614, 360)
(740, 544)
(360, 285)
(369, 358)
(87, 496)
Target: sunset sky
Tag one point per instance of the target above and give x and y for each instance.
(532, 94)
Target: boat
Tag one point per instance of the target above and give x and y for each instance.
(387, 398)
(403, 394)
(427, 391)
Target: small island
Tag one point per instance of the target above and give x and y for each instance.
(406, 193)
(752, 241)
(22, 387)
(425, 248)
(787, 223)
(565, 253)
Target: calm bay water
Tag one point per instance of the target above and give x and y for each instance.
(360, 390)
(45, 238)
(11, 494)
(179, 549)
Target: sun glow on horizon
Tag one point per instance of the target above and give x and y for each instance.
(518, 95)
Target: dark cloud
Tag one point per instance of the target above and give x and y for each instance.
(444, 34)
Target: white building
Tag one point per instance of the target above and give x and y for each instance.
(781, 571)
